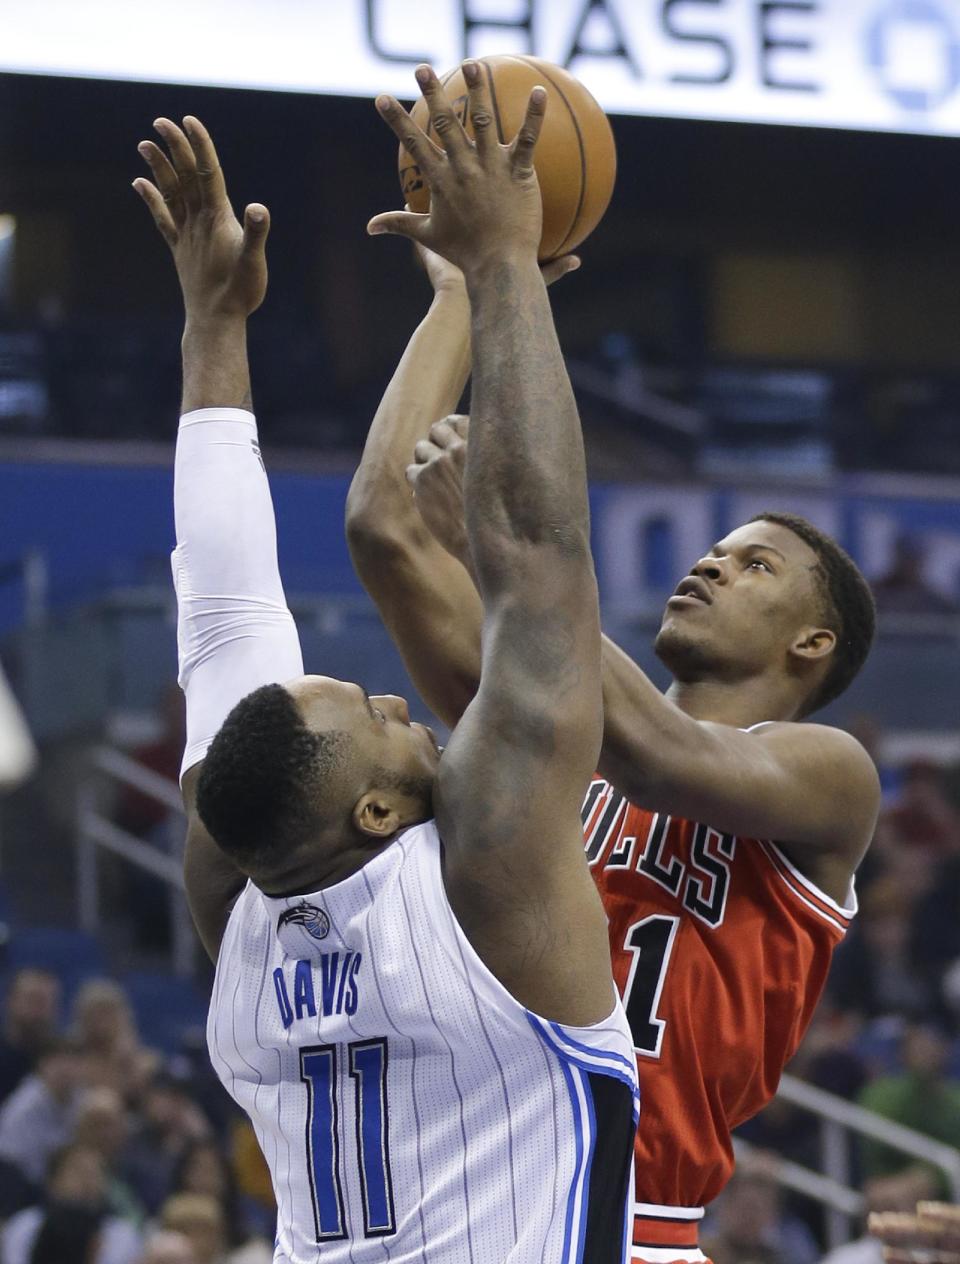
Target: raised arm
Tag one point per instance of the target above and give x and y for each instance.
(234, 630)
(513, 776)
(427, 601)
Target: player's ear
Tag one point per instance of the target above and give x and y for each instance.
(376, 815)
(813, 644)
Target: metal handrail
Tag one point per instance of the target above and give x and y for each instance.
(96, 832)
(869, 1124)
(803, 1180)
(838, 1120)
(132, 773)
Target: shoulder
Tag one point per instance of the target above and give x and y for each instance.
(830, 754)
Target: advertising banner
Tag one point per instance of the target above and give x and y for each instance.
(886, 65)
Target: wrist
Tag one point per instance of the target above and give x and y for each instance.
(493, 269)
(451, 294)
(203, 323)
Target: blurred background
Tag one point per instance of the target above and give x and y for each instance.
(768, 317)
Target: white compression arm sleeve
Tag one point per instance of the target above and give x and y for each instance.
(234, 631)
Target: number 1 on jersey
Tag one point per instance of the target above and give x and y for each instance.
(651, 942)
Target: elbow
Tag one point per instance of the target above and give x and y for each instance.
(367, 531)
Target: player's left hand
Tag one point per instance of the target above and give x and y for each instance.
(436, 477)
(931, 1235)
(484, 197)
(221, 264)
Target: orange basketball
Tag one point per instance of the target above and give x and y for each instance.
(575, 158)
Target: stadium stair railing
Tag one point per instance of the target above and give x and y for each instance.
(841, 1121)
(96, 833)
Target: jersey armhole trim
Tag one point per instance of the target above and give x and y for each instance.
(808, 892)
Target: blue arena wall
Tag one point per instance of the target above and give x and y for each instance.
(106, 527)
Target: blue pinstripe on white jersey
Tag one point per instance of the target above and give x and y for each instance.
(410, 1110)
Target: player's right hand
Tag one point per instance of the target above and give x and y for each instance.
(931, 1235)
(221, 264)
(436, 477)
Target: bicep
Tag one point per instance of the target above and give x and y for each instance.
(802, 784)
(431, 608)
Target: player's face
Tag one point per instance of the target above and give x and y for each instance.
(742, 606)
(379, 726)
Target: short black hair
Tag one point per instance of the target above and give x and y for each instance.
(266, 777)
(847, 609)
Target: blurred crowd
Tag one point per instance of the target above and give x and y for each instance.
(108, 1153)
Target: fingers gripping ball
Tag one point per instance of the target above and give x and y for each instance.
(575, 158)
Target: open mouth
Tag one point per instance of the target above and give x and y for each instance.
(693, 589)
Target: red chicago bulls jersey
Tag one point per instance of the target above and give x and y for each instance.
(720, 950)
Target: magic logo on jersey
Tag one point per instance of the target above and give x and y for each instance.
(313, 920)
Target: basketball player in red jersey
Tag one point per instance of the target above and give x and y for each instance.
(723, 834)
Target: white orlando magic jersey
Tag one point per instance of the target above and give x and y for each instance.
(408, 1107)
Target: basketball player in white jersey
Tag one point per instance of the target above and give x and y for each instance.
(418, 1014)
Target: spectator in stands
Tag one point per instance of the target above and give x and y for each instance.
(168, 1248)
(103, 1124)
(169, 1122)
(204, 1169)
(935, 935)
(930, 1232)
(68, 1233)
(200, 1218)
(904, 588)
(747, 1224)
(77, 1178)
(138, 813)
(38, 1117)
(106, 1031)
(919, 1097)
(873, 973)
(922, 817)
(888, 1200)
(30, 1014)
(253, 1174)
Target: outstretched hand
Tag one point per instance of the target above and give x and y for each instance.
(484, 196)
(221, 264)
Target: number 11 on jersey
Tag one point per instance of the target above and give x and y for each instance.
(367, 1066)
